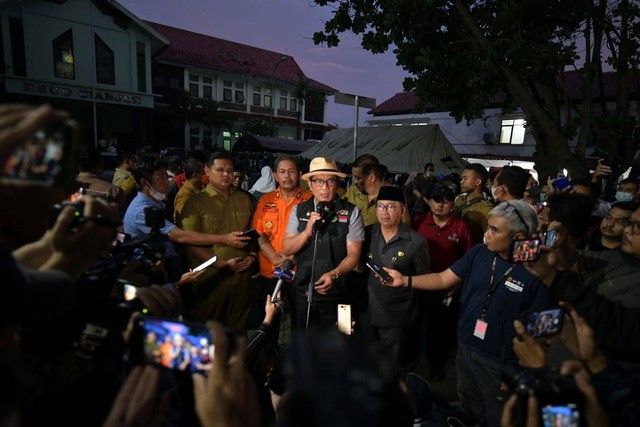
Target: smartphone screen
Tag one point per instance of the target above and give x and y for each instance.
(560, 415)
(550, 237)
(543, 323)
(344, 318)
(181, 346)
(525, 250)
(47, 159)
(562, 183)
(128, 290)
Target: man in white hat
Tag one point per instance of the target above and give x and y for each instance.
(325, 234)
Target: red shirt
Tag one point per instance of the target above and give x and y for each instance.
(446, 244)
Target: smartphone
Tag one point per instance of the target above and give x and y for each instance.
(48, 159)
(184, 347)
(562, 183)
(206, 264)
(560, 415)
(251, 233)
(344, 318)
(550, 237)
(127, 290)
(379, 271)
(543, 323)
(525, 250)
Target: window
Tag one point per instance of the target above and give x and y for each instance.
(207, 87)
(512, 131)
(194, 137)
(227, 91)
(18, 56)
(63, 60)
(283, 100)
(207, 137)
(105, 66)
(293, 104)
(239, 93)
(267, 97)
(257, 96)
(233, 92)
(141, 66)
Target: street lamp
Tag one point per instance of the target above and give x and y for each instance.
(273, 89)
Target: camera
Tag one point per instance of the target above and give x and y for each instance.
(54, 212)
(548, 386)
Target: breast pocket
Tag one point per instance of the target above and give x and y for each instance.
(270, 223)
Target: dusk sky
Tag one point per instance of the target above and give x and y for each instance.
(286, 26)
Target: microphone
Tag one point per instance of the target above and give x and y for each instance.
(321, 208)
(283, 274)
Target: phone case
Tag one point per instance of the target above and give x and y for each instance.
(543, 323)
(379, 271)
(344, 318)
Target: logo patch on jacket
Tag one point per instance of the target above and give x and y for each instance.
(343, 215)
(270, 207)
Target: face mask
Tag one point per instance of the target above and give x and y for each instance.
(493, 192)
(428, 174)
(160, 197)
(621, 196)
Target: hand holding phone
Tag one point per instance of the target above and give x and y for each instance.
(544, 323)
(379, 271)
(562, 183)
(206, 264)
(251, 233)
(525, 250)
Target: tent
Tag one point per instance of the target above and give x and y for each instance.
(271, 144)
(402, 149)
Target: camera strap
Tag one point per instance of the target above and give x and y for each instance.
(493, 285)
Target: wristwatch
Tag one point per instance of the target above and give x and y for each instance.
(336, 275)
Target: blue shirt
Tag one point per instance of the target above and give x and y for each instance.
(519, 291)
(134, 223)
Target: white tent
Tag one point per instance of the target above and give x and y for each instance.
(404, 149)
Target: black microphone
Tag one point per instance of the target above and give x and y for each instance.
(285, 275)
(321, 208)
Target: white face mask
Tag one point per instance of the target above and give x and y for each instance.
(493, 192)
(160, 197)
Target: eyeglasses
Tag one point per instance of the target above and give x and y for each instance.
(389, 208)
(635, 226)
(321, 182)
(617, 221)
(511, 208)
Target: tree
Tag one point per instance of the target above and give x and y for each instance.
(254, 126)
(189, 109)
(462, 54)
(309, 99)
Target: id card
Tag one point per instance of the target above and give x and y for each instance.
(480, 329)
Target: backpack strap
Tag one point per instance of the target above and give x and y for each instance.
(458, 209)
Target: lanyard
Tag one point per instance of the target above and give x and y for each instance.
(493, 285)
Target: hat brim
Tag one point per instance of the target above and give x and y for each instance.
(308, 175)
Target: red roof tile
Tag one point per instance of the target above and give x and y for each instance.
(199, 50)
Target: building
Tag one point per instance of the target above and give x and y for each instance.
(133, 83)
(500, 139)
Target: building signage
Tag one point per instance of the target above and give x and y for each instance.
(78, 93)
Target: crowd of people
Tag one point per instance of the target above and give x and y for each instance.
(427, 268)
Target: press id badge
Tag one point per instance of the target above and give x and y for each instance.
(480, 329)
